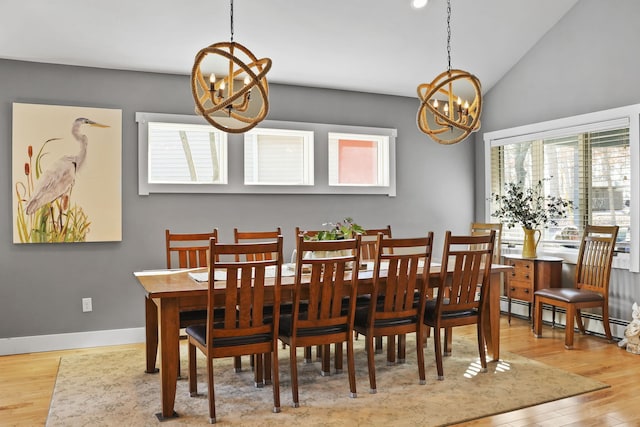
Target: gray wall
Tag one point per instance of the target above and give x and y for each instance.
(588, 62)
(41, 285)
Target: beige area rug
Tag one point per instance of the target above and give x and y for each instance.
(111, 389)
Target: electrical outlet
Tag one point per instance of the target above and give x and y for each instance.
(86, 305)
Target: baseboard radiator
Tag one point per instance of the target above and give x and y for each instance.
(592, 321)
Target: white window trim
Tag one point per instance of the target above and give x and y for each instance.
(251, 137)
(235, 151)
(615, 117)
(382, 147)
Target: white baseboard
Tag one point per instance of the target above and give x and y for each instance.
(38, 343)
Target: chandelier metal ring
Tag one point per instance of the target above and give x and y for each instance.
(256, 70)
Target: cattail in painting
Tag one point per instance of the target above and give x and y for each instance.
(26, 169)
(65, 202)
(30, 151)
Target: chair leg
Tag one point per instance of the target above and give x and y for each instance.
(402, 348)
(266, 366)
(481, 350)
(370, 340)
(605, 321)
(325, 359)
(568, 330)
(448, 338)
(579, 321)
(275, 370)
(212, 399)
(258, 370)
(391, 350)
(294, 373)
(378, 344)
(338, 358)
(237, 364)
(193, 382)
(537, 318)
(307, 355)
(438, 350)
(420, 356)
(351, 366)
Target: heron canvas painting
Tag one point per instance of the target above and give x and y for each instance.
(67, 167)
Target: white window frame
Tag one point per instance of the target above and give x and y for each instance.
(252, 137)
(601, 120)
(318, 156)
(382, 148)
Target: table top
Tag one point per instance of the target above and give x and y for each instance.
(178, 282)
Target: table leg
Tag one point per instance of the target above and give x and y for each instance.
(491, 322)
(169, 321)
(151, 331)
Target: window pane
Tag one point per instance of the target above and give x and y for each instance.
(361, 160)
(183, 153)
(592, 169)
(278, 157)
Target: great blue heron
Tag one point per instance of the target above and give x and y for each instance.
(59, 179)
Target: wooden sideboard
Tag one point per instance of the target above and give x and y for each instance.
(529, 275)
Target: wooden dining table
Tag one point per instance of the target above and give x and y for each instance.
(167, 292)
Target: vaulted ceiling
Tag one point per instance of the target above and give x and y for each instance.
(378, 46)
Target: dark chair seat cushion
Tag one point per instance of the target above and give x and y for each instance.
(189, 317)
(199, 333)
(430, 312)
(286, 327)
(570, 295)
(362, 320)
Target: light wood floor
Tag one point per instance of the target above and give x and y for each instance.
(26, 381)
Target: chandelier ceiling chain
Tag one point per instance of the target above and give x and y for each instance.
(451, 104)
(225, 98)
(448, 35)
(231, 23)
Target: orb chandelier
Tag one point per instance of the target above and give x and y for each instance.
(234, 95)
(451, 104)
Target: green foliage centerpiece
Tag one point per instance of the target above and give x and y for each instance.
(531, 209)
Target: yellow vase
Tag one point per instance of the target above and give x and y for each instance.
(530, 243)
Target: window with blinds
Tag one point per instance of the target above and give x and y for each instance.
(278, 157)
(591, 168)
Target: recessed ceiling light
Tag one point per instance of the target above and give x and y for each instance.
(418, 4)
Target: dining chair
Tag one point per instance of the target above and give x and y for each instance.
(464, 301)
(370, 240)
(244, 329)
(480, 228)
(242, 236)
(591, 283)
(322, 281)
(393, 311)
(368, 253)
(189, 250)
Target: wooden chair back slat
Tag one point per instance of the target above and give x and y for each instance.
(190, 250)
(471, 257)
(244, 296)
(593, 269)
(256, 236)
(483, 228)
(326, 286)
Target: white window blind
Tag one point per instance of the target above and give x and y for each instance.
(592, 169)
(278, 157)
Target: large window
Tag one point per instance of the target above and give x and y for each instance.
(590, 161)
